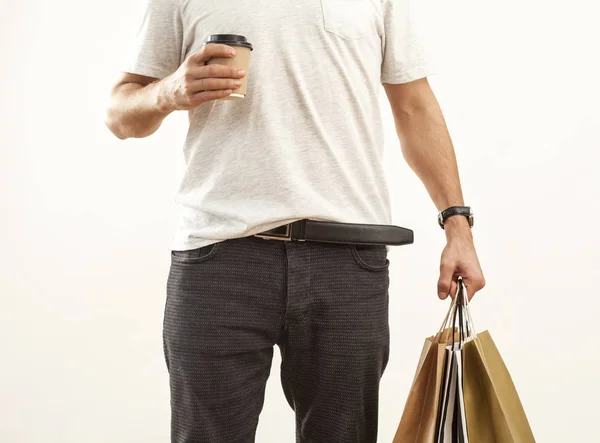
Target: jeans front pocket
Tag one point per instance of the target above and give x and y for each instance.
(349, 19)
(370, 257)
(195, 255)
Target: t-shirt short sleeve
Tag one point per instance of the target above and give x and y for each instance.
(158, 46)
(405, 54)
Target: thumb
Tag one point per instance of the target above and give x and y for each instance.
(207, 51)
(445, 280)
(200, 56)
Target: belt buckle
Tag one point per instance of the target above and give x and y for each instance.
(273, 236)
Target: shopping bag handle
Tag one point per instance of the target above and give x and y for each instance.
(466, 308)
(461, 293)
(450, 310)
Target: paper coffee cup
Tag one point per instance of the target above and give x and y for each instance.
(241, 60)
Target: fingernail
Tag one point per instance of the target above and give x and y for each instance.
(241, 72)
(232, 51)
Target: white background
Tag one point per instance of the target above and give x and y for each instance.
(86, 221)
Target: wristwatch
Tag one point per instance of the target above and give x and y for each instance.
(455, 210)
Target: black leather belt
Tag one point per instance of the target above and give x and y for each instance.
(337, 232)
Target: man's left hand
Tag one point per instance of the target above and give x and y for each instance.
(459, 259)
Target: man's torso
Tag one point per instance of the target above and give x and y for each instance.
(307, 141)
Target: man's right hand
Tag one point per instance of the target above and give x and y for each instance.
(195, 82)
(138, 104)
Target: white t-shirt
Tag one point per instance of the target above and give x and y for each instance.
(307, 141)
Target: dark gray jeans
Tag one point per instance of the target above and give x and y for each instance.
(324, 304)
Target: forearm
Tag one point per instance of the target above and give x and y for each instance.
(136, 110)
(427, 148)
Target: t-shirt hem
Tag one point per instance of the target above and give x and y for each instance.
(192, 245)
(182, 243)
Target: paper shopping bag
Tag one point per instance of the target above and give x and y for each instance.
(421, 412)
(418, 421)
(493, 408)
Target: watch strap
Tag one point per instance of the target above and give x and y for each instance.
(455, 210)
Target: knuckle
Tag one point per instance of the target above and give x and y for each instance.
(190, 62)
(211, 71)
(208, 84)
(199, 99)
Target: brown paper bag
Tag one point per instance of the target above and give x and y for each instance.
(493, 408)
(418, 421)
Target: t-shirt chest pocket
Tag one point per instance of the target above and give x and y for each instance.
(349, 19)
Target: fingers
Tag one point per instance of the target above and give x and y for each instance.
(204, 96)
(210, 84)
(448, 283)
(214, 71)
(445, 280)
(209, 78)
(474, 284)
(453, 287)
(201, 56)
(200, 82)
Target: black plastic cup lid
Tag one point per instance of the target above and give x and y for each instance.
(229, 39)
